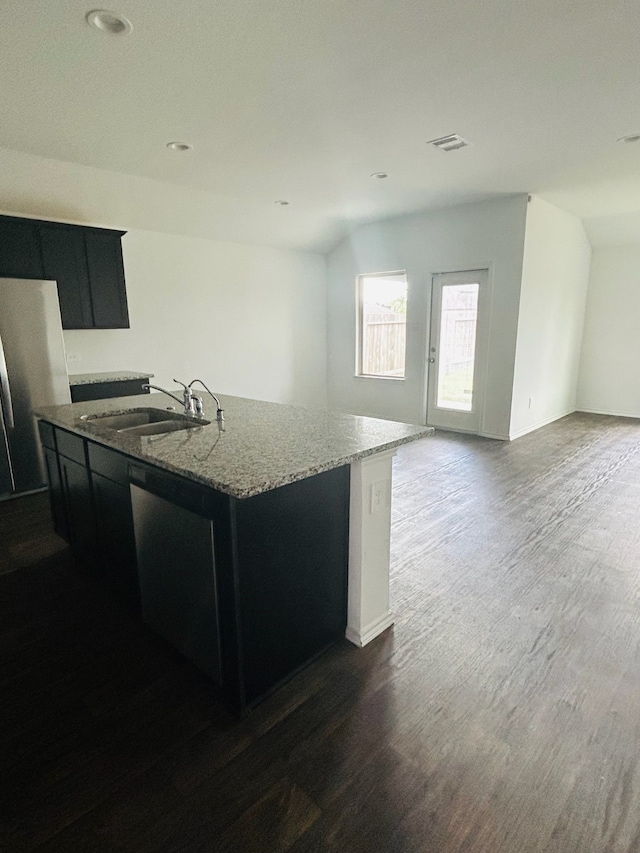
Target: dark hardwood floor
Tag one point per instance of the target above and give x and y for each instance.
(501, 714)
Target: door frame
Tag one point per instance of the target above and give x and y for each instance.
(485, 312)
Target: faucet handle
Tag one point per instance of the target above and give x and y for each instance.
(177, 381)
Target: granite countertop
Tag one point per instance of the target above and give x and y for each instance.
(263, 445)
(113, 376)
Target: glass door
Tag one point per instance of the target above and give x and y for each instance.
(454, 391)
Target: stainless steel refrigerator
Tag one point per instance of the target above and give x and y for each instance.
(33, 372)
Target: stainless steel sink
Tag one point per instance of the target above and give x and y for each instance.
(147, 422)
(160, 427)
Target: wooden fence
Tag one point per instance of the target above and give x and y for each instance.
(383, 344)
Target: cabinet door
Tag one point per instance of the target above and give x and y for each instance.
(106, 279)
(78, 504)
(20, 255)
(56, 496)
(64, 260)
(115, 538)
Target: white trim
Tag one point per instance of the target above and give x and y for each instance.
(368, 611)
(540, 424)
(608, 412)
(497, 435)
(371, 631)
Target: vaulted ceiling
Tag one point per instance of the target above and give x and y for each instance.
(301, 100)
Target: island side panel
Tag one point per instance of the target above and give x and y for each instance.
(292, 562)
(369, 548)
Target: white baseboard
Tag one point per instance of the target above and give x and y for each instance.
(540, 424)
(372, 630)
(496, 435)
(609, 412)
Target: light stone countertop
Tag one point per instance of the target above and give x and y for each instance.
(263, 446)
(113, 376)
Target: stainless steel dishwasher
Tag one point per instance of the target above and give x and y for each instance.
(177, 574)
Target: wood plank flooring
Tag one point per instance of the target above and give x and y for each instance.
(501, 714)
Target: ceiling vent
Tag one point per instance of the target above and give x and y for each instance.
(449, 143)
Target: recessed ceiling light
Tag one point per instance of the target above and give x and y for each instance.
(109, 22)
(449, 143)
(379, 175)
(179, 146)
(281, 202)
(633, 137)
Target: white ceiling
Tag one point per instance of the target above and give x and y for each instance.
(303, 99)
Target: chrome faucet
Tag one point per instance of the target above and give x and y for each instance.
(192, 404)
(219, 410)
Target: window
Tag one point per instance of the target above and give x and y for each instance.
(382, 324)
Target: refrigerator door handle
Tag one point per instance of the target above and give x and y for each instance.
(6, 403)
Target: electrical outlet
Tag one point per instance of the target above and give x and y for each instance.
(378, 496)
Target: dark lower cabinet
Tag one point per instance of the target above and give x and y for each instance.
(292, 546)
(116, 547)
(56, 494)
(76, 488)
(249, 590)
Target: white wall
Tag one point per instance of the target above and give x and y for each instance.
(610, 364)
(247, 320)
(482, 235)
(553, 295)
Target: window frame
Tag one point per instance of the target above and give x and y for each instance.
(359, 337)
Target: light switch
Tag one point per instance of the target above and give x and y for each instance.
(378, 496)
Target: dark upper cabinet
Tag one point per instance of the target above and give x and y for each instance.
(86, 263)
(106, 279)
(19, 248)
(65, 261)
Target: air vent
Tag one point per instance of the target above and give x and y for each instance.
(449, 143)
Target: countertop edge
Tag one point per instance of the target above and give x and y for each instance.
(78, 379)
(227, 488)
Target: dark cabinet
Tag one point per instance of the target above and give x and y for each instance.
(292, 546)
(56, 495)
(116, 547)
(20, 255)
(70, 485)
(106, 279)
(86, 263)
(114, 537)
(65, 261)
(104, 390)
(76, 489)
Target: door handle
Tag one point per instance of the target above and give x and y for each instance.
(6, 403)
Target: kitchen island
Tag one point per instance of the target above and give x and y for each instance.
(252, 545)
